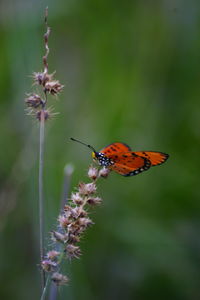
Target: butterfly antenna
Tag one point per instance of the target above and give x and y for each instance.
(89, 146)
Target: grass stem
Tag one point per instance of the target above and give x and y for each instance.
(45, 288)
(41, 194)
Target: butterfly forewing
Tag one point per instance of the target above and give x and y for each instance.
(156, 158)
(115, 148)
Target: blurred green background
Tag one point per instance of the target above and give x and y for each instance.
(131, 71)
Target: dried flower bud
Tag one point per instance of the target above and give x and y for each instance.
(42, 78)
(93, 173)
(73, 239)
(79, 226)
(74, 229)
(59, 279)
(68, 211)
(63, 221)
(77, 199)
(53, 254)
(48, 265)
(53, 87)
(73, 251)
(58, 237)
(84, 222)
(87, 188)
(33, 100)
(104, 172)
(78, 212)
(43, 113)
(94, 200)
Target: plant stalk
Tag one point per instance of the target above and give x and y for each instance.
(41, 194)
(45, 288)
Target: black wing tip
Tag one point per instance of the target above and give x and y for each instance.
(166, 156)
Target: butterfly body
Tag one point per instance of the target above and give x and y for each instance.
(120, 158)
(102, 159)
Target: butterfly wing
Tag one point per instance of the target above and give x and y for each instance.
(128, 163)
(156, 158)
(115, 148)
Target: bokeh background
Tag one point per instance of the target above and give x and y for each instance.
(131, 71)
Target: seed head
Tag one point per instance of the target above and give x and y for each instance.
(84, 222)
(93, 173)
(79, 226)
(74, 229)
(42, 78)
(53, 87)
(74, 212)
(87, 188)
(33, 100)
(48, 265)
(94, 200)
(53, 254)
(104, 172)
(59, 279)
(58, 237)
(43, 114)
(63, 221)
(77, 199)
(77, 212)
(73, 251)
(68, 211)
(73, 239)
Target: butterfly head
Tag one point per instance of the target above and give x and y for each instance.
(94, 155)
(102, 159)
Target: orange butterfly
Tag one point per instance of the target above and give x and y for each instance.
(120, 158)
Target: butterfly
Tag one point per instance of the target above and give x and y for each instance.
(120, 158)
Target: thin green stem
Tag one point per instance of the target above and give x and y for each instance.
(45, 288)
(41, 194)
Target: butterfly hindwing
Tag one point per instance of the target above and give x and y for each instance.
(128, 163)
